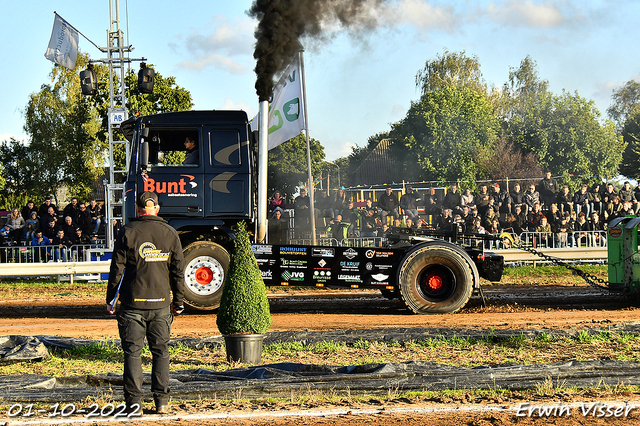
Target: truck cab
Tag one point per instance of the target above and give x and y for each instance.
(217, 190)
(203, 199)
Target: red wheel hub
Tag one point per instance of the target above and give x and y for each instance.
(434, 282)
(203, 275)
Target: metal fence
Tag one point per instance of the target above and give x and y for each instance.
(90, 261)
(48, 253)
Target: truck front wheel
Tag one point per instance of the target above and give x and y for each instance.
(206, 266)
(435, 280)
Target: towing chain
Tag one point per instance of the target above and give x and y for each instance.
(590, 279)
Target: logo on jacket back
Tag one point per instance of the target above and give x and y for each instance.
(149, 253)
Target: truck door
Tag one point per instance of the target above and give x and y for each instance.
(227, 178)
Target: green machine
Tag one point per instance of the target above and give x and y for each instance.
(623, 254)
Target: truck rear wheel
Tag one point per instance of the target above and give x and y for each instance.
(206, 266)
(435, 280)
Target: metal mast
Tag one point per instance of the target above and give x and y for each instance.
(117, 113)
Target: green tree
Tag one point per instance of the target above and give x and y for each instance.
(287, 164)
(244, 307)
(443, 133)
(16, 174)
(451, 69)
(630, 132)
(523, 89)
(68, 132)
(357, 156)
(62, 127)
(566, 135)
(623, 102)
(167, 96)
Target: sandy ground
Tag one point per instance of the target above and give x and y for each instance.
(508, 307)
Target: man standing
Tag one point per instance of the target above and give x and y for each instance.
(388, 204)
(147, 265)
(548, 189)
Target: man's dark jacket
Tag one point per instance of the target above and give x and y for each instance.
(148, 252)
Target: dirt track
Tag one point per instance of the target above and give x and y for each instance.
(544, 307)
(508, 307)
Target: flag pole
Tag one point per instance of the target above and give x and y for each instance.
(312, 209)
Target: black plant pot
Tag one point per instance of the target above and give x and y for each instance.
(245, 348)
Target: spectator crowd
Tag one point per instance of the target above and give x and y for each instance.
(51, 230)
(542, 207)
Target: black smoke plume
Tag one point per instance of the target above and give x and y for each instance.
(284, 23)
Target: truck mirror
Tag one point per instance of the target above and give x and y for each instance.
(144, 155)
(144, 132)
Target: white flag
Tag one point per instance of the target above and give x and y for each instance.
(286, 117)
(63, 46)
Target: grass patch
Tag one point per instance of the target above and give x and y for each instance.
(549, 275)
(454, 350)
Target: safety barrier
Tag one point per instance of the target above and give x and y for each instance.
(589, 246)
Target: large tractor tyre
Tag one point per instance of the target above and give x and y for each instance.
(436, 280)
(206, 266)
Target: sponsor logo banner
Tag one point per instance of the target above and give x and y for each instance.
(350, 253)
(292, 275)
(293, 250)
(322, 252)
(262, 249)
(350, 278)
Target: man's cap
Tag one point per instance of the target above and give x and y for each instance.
(147, 197)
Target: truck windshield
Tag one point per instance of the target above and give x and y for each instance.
(173, 147)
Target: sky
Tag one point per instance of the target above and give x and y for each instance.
(357, 84)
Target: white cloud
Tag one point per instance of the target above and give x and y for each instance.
(420, 14)
(344, 149)
(8, 136)
(230, 104)
(517, 13)
(225, 46)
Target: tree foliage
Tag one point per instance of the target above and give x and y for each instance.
(623, 102)
(358, 154)
(566, 135)
(451, 69)
(287, 164)
(244, 307)
(523, 89)
(64, 150)
(444, 131)
(68, 132)
(630, 132)
(506, 160)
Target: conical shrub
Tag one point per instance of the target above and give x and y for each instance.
(244, 308)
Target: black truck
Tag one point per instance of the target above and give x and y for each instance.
(431, 272)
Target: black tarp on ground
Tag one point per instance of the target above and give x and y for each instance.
(21, 348)
(281, 380)
(399, 335)
(287, 379)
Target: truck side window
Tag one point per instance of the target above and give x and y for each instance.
(225, 148)
(168, 147)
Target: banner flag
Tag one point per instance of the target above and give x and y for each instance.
(286, 118)
(63, 45)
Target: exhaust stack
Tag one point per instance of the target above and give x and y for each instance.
(263, 150)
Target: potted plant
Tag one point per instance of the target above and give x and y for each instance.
(243, 315)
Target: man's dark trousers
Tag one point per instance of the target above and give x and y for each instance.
(134, 325)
